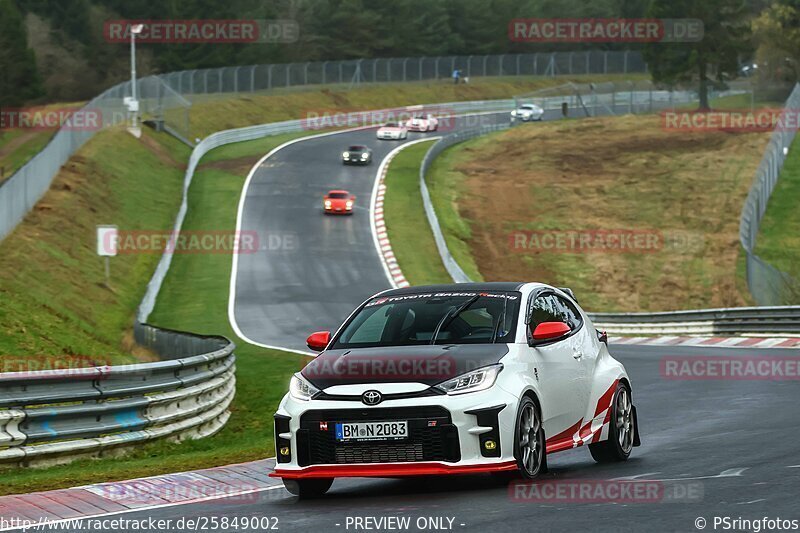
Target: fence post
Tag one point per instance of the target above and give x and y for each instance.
(625, 62)
(253, 79)
(236, 79)
(205, 81)
(389, 69)
(375, 70)
(500, 60)
(517, 61)
(305, 73)
(405, 60)
(605, 62)
(536, 64)
(469, 66)
(288, 74)
(269, 76)
(588, 60)
(436, 68)
(570, 61)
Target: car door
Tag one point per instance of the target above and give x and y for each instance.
(560, 374)
(583, 345)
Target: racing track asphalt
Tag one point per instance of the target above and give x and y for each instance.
(312, 269)
(731, 443)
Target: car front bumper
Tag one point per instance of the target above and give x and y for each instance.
(467, 433)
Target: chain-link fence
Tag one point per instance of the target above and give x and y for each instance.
(767, 284)
(165, 98)
(254, 78)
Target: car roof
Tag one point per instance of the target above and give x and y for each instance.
(489, 286)
(333, 191)
(357, 147)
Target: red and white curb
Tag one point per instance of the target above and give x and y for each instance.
(233, 484)
(718, 342)
(393, 271)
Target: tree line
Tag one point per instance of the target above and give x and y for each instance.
(56, 49)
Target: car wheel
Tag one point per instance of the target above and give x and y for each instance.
(308, 488)
(529, 440)
(621, 430)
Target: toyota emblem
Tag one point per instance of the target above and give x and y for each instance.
(371, 397)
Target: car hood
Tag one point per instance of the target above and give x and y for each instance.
(425, 364)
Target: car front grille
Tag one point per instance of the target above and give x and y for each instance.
(432, 437)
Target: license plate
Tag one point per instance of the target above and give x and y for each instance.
(361, 431)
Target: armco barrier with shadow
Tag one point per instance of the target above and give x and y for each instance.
(49, 417)
(758, 321)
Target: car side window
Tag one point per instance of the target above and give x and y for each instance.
(567, 313)
(543, 310)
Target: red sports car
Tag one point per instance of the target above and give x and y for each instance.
(338, 203)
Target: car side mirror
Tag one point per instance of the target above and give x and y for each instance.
(319, 340)
(602, 336)
(547, 332)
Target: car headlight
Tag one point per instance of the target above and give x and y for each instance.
(477, 380)
(514, 113)
(301, 389)
(349, 204)
(345, 154)
(364, 156)
(327, 203)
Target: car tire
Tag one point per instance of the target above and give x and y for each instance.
(621, 429)
(308, 488)
(531, 455)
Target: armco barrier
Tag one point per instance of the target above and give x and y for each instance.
(55, 416)
(781, 320)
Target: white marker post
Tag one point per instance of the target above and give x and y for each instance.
(107, 245)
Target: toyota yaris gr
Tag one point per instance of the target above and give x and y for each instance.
(448, 379)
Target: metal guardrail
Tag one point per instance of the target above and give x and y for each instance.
(767, 284)
(780, 320)
(56, 416)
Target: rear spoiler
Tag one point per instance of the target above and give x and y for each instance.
(569, 292)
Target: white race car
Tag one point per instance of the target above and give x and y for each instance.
(448, 379)
(392, 131)
(422, 122)
(527, 112)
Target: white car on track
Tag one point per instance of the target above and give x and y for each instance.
(392, 131)
(527, 113)
(422, 122)
(449, 379)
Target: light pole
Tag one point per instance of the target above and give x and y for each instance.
(136, 29)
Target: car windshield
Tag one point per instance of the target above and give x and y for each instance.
(338, 195)
(390, 125)
(355, 148)
(433, 318)
(528, 106)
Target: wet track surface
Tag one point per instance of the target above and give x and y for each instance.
(717, 448)
(316, 268)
